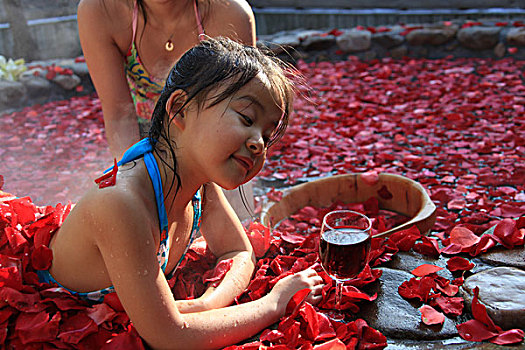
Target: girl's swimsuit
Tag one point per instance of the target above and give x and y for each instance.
(145, 88)
(143, 149)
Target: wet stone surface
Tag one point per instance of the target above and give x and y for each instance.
(408, 261)
(502, 291)
(500, 256)
(398, 318)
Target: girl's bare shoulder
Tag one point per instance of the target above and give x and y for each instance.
(130, 201)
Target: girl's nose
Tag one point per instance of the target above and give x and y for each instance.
(255, 144)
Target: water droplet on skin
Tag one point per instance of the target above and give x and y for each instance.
(111, 255)
(185, 324)
(126, 253)
(147, 241)
(145, 272)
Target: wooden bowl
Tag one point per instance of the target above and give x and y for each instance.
(408, 197)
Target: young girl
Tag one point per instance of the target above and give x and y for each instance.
(223, 105)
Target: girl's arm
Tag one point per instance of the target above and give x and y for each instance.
(105, 62)
(117, 222)
(226, 239)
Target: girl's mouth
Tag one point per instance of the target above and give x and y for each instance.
(245, 162)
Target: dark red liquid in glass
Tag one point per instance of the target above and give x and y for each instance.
(343, 256)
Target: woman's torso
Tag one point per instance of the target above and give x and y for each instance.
(148, 62)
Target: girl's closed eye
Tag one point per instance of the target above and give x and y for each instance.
(247, 120)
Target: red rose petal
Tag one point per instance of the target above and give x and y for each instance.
(463, 237)
(76, 328)
(474, 330)
(334, 344)
(37, 327)
(457, 263)
(430, 316)
(450, 306)
(41, 258)
(218, 273)
(293, 306)
(513, 336)
(425, 269)
(370, 177)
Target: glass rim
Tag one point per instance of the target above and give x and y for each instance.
(368, 228)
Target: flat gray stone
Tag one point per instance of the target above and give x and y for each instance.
(516, 36)
(78, 68)
(499, 50)
(447, 344)
(398, 318)
(354, 40)
(37, 86)
(388, 39)
(12, 93)
(502, 291)
(479, 38)
(431, 36)
(67, 82)
(408, 261)
(501, 256)
(399, 52)
(318, 42)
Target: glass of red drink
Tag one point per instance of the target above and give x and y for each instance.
(344, 248)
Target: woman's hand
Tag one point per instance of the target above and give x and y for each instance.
(285, 289)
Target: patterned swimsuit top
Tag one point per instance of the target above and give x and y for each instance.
(145, 89)
(143, 149)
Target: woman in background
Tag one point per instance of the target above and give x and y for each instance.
(130, 46)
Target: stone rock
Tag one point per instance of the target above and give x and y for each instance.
(12, 93)
(447, 344)
(78, 68)
(280, 43)
(354, 40)
(67, 82)
(499, 50)
(479, 38)
(318, 42)
(408, 261)
(37, 86)
(388, 39)
(399, 52)
(431, 36)
(396, 317)
(501, 256)
(502, 291)
(516, 36)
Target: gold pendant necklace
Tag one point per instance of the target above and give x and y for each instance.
(169, 45)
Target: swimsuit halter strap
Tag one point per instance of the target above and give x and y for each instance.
(143, 148)
(134, 21)
(199, 22)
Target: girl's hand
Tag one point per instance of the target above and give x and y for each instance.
(285, 289)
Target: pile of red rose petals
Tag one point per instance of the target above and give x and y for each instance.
(34, 314)
(53, 152)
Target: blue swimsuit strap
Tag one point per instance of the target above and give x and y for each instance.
(143, 148)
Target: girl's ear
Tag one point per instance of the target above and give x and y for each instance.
(173, 106)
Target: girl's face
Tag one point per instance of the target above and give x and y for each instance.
(229, 140)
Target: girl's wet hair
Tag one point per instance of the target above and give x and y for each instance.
(224, 63)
